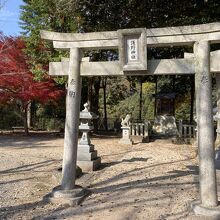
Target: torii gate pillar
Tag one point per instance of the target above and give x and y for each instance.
(208, 204)
(68, 192)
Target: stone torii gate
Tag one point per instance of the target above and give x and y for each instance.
(132, 46)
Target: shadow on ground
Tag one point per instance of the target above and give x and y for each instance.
(112, 189)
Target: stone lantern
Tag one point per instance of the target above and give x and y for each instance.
(87, 158)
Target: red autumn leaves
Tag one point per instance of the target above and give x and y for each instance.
(17, 83)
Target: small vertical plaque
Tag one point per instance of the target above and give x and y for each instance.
(133, 49)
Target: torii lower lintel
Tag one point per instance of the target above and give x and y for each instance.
(155, 67)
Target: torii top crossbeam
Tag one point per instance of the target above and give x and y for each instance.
(156, 37)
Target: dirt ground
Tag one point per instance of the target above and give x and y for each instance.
(145, 181)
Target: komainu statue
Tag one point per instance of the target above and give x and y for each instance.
(126, 122)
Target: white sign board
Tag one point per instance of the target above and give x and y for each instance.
(132, 49)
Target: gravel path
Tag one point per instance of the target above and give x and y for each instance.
(146, 181)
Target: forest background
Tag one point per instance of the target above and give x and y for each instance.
(109, 97)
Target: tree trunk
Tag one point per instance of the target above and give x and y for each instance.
(192, 98)
(174, 90)
(29, 115)
(155, 101)
(95, 100)
(89, 93)
(25, 120)
(104, 103)
(33, 113)
(140, 101)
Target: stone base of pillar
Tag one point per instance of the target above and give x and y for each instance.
(89, 165)
(198, 209)
(57, 175)
(71, 197)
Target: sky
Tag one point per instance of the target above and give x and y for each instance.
(9, 17)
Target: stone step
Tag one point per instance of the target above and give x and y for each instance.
(87, 166)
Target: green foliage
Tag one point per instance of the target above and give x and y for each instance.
(182, 106)
(113, 15)
(51, 109)
(127, 106)
(131, 104)
(9, 117)
(43, 15)
(117, 90)
(49, 124)
(148, 100)
(50, 116)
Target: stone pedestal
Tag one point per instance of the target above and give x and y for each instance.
(126, 139)
(87, 158)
